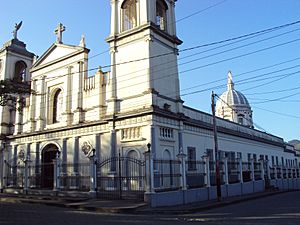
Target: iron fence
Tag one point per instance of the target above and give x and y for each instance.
(257, 171)
(75, 176)
(233, 172)
(195, 175)
(167, 175)
(121, 177)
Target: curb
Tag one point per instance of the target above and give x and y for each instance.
(208, 206)
(140, 209)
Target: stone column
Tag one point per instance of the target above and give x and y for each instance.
(19, 116)
(56, 178)
(113, 149)
(252, 170)
(41, 115)
(207, 171)
(149, 171)
(32, 107)
(37, 170)
(15, 161)
(65, 155)
(241, 170)
(79, 100)
(181, 156)
(268, 169)
(225, 160)
(93, 174)
(180, 140)
(75, 182)
(98, 146)
(63, 164)
(26, 174)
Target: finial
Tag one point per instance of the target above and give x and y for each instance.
(230, 84)
(82, 41)
(15, 31)
(58, 31)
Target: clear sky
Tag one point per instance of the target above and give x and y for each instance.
(266, 68)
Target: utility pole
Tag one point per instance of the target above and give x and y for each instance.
(218, 178)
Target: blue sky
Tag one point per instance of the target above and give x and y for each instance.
(273, 92)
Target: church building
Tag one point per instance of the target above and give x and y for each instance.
(124, 112)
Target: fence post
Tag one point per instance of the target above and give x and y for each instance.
(207, 170)
(93, 174)
(281, 172)
(225, 160)
(268, 169)
(241, 170)
(56, 173)
(252, 170)
(149, 175)
(275, 173)
(181, 156)
(149, 170)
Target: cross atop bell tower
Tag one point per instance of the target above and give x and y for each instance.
(58, 31)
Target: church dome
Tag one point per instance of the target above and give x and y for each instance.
(234, 97)
(234, 106)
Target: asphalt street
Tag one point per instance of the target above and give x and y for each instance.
(277, 209)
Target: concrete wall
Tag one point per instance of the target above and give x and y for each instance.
(209, 193)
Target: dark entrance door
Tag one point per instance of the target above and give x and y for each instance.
(47, 170)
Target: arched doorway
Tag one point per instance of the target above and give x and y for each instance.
(47, 170)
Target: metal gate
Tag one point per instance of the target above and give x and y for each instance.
(121, 178)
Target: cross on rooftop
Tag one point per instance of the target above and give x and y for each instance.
(58, 31)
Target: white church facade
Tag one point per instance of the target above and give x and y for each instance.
(70, 117)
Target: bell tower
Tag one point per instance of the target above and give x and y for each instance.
(143, 49)
(15, 62)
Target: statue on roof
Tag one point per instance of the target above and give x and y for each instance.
(15, 31)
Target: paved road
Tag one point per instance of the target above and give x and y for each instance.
(276, 210)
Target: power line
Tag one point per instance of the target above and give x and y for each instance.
(276, 99)
(271, 92)
(239, 56)
(208, 44)
(278, 113)
(200, 11)
(239, 47)
(160, 55)
(244, 73)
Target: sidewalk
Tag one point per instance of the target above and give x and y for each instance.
(128, 206)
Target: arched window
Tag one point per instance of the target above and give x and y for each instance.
(161, 14)
(57, 106)
(129, 15)
(20, 71)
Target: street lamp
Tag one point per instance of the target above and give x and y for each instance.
(149, 147)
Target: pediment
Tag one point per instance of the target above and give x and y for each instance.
(56, 53)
